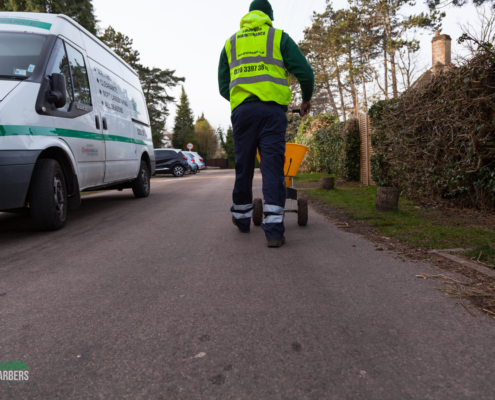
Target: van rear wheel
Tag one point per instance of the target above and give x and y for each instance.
(48, 196)
(141, 185)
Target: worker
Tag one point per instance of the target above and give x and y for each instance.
(253, 76)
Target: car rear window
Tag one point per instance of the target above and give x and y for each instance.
(162, 153)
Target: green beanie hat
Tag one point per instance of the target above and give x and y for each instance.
(263, 6)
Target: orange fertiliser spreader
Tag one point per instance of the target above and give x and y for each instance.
(294, 155)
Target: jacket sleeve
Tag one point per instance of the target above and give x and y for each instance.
(298, 66)
(224, 75)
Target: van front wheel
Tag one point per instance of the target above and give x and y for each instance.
(48, 198)
(141, 185)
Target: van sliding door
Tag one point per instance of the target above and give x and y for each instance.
(117, 127)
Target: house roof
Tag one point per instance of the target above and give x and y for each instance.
(423, 79)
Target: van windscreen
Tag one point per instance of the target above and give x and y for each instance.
(19, 53)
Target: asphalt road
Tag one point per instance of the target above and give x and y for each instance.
(162, 298)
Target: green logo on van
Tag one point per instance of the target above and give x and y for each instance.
(26, 22)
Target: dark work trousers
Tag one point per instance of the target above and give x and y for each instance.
(259, 125)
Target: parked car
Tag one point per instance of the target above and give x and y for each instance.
(198, 160)
(73, 118)
(171, 161)
(192, 163)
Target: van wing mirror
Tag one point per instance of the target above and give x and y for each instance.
(58, 95)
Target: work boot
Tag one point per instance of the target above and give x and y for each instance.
(276, 243)
(240, 230)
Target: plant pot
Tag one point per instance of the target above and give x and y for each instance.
(327, 182)
(387, 199)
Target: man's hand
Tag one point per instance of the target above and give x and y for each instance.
(305, 108)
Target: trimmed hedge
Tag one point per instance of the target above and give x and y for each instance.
(438, 141)
(334, 147)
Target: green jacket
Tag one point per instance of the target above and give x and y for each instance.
(295, 63)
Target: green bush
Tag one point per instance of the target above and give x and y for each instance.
(334, 147)
(352, 151)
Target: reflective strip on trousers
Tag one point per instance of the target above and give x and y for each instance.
(270, 208)
(243, 216)
(258, 79)
(269, 59)
(243, 207)
(273, 219)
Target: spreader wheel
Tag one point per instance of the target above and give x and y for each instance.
(258, 212)
(302, 212)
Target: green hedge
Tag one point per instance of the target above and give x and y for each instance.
(334, 147)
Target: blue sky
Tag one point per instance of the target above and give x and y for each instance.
(188, 36)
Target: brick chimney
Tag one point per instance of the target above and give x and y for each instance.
(441, 52)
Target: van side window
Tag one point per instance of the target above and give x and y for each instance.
(80, 79)
(58, 64)
(138, 110)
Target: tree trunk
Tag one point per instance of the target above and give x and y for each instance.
(354, 94)
(395, 92)
(361, 73)
(327, 182)
(329, 91)
(355, 99)
(332, 100)
(385, 66)
(364, 90)
(387, 199)
(341, 91)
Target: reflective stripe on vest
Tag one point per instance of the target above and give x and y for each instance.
(256, 66)
(258, 79)
(269, 59)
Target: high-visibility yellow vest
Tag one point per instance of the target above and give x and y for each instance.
(257, 67)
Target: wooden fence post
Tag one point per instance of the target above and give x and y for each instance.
(366, 150)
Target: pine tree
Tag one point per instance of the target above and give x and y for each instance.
(155, 82)
(122, 46)
(184, 122)
(81, 11)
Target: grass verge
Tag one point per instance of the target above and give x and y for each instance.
(420, 227)
(310, 177)
(484, 254)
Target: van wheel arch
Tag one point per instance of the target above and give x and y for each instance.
(146, 158)
(59, 155)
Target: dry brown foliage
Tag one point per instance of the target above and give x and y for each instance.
(439, 140)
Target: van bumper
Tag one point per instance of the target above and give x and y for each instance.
(16, 167)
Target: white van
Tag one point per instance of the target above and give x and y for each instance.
(72, 118)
